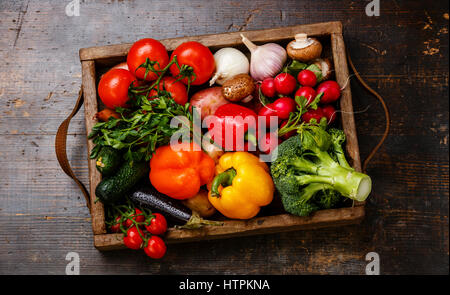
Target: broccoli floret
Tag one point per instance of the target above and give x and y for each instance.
(328, 199)
(310, 171)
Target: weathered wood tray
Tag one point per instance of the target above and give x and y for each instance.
(96, 60)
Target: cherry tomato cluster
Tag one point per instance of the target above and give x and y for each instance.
(148, 61)
(141, 229)
(318, 99)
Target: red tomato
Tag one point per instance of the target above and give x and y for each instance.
(136, 217)
(307, 78)
(177, 90)
(133, 240)
(143, 49)
(285, 83)
(113, 88)
(158, 225)
(156, 248)
(268, 87)
(115, 228)
(313, 114)
(198, 57)
(307, 92)
(329, 112)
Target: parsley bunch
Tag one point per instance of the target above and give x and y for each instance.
(140, 132)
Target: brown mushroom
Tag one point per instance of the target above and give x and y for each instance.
(304, 48)
(238, 87)
(325, 66)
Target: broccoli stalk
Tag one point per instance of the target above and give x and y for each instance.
(312, 167)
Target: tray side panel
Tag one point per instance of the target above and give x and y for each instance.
(260, 225)
(90, 108)
(219, 40)
(347, 117)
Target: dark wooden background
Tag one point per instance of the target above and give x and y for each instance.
(403, 54)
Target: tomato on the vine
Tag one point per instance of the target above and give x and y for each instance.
(113, 88)
(176, 89)
(115, 228)
(137, 216)
(143, 49)
(158, 225)
(196, 56)
(133, 239)
(156, 248)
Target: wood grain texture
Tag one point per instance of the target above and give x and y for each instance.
(43, 215)
(90, 109)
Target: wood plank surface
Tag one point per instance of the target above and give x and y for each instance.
(403, 54)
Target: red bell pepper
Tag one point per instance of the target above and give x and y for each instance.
(240, 123)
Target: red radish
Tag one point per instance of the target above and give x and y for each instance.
(329, 112)
(331, 91)
(307, 78)
(290, 133)
(285, 83)
(283, 107)
(267, 111)
(307, 92)
(313, 114)
(269, 142)
(268, 87)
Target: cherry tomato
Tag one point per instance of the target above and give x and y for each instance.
(307, 92)
(268, 87)
(156, 248)
(198, 57)
(285, 83)
(115, 228)
(133, 240)
(113, 88)
(331, 91)
(307, 78)
(158, 225)
(313, 114)
(136, 217)
(329, 112)
(143, 49)
(176, 89)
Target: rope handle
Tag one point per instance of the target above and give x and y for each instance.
(386, 113)
(60, 149)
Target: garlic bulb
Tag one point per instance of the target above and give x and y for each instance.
(229, 62)
(266, 60)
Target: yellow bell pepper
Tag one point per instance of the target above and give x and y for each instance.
(241, 186)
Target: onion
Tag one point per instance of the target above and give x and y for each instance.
(266, 60)
(229, 62)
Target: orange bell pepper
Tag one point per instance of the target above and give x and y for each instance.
(180, 174)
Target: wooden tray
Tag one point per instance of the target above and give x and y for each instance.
(96, 60)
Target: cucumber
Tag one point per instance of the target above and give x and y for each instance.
(108, 160)
(112, 189)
